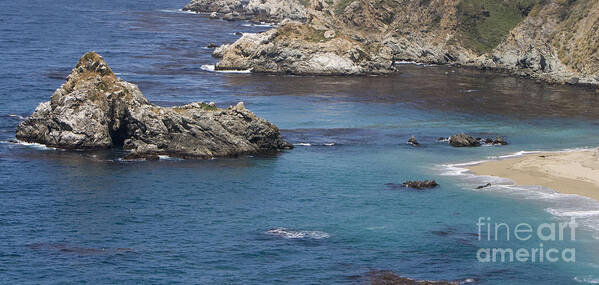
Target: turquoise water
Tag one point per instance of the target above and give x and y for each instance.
(318, 214)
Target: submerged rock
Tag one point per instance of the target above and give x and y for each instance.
(421, 184)
(387, 277)
(65, 248)
(463, 140)
(94, 109)
(141, 156)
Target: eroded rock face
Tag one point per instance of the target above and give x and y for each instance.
(95, 109)
(78, 113)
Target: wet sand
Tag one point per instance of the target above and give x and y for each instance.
(575, 172)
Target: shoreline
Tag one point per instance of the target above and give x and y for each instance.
(566, 172)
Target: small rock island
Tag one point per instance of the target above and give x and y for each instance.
(94, 109)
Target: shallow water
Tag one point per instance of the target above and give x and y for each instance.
(320, 213)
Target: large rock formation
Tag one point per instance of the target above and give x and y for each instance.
(552, 40)
(94, 109)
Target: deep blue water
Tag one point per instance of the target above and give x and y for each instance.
(318, 214)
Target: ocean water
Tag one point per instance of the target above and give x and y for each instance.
(318, 214)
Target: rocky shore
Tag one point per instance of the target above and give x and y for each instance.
(553, 41)
(94, 109)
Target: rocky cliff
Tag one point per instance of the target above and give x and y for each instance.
(551, 40)
(94, 109)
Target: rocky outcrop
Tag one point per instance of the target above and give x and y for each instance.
(553, 40)
(463, 140)
(271, 11)
(94, 109)
(483, 186)
(420, 184)
(413, 141)
(500, 141)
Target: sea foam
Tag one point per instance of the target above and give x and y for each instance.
(562, 206)
(264, 25)
(32, 145)
(178, 11)
(315, 144)
(587, 279)
(166, 157)
(212, 68)
(15, 116)
(289, 234)
(413, 63)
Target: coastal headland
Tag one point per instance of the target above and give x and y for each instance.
(552, 41)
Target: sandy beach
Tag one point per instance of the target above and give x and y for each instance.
(575, 172)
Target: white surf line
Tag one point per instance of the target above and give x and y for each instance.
(181, 11)
(403, 62)
(559, 205)
(33, 145)
(460, 166)
(263, 25)
(16, 116)
(212, 68)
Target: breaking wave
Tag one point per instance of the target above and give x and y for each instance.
(32, 145)
(212, 68)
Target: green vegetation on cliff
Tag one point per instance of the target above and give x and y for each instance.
(485, 23)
